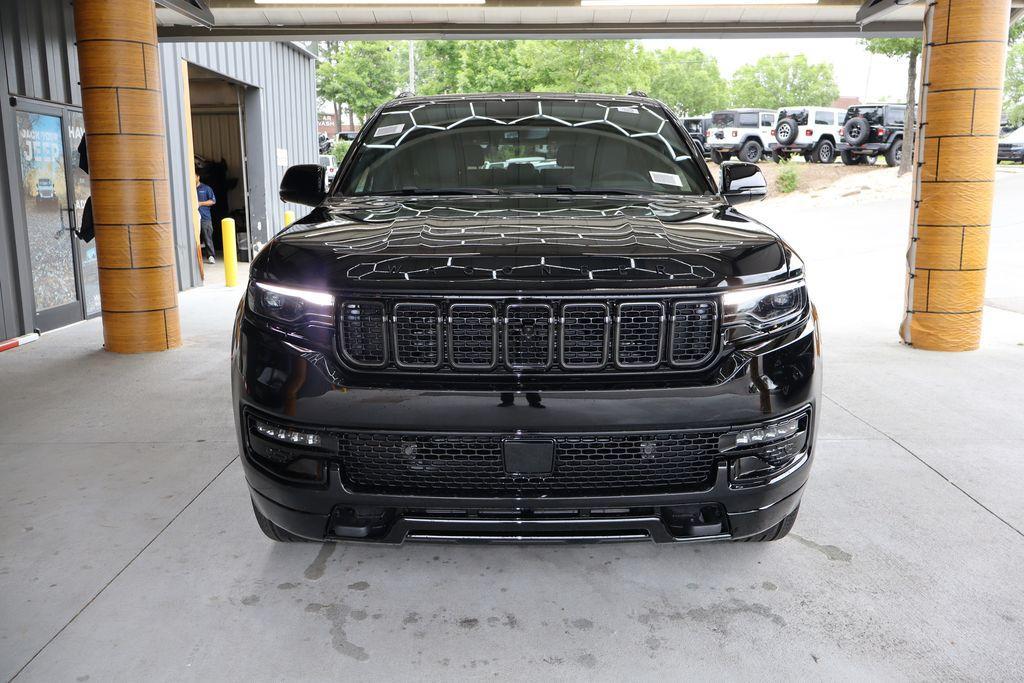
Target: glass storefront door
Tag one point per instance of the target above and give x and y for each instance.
(53, 199)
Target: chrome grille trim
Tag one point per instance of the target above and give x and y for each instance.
(566, 326)
(411, 341)
(658, 336)
(522, 322)
(489, 312)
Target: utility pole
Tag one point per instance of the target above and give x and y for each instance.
(412, 67)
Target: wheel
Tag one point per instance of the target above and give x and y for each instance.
(751, 151)
(851, 159)
(825, 153)
(273, 531)
(776, 532)
(857, 130)
(717, 156)
(778, 158)
(786, 131)
(808, 157)
(894, 154)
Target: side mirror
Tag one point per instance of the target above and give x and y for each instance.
(742, 182)
(304, 184)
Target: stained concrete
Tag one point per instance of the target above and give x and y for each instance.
(128, 548)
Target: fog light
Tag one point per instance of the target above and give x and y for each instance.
(286, 435)
(774, 432)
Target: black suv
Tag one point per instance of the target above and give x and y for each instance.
(528, 318)
(871, 131)
(697, 127)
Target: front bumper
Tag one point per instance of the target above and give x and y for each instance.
(275, 378)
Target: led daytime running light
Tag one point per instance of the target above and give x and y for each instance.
(309, 296)
(286, 435)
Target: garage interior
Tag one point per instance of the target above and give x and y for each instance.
(217, 113)
(136, 552)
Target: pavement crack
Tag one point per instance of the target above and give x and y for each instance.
(124, 568)
(928, 465)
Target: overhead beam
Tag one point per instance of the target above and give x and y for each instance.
(876, 10)
(883, 29)
(196, 10)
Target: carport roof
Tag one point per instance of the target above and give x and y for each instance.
(310, 20)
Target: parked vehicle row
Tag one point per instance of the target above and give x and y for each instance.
(858, 135)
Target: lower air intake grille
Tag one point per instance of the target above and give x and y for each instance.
(474, 464)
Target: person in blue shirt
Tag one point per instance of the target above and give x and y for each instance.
(206, 199)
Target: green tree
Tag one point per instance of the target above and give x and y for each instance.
(608, 66)
(688, 81)
(1013, 90)
(779, 80)
(438, 66)
(909, 49)
(492, 66)
(360, 74)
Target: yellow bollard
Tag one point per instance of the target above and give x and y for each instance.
(289, 218)
(227, 233)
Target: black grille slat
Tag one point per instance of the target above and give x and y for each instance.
(504, 335)
(362, 332)
(528, 336)
(694, 324)
(459, 464)
(417, 330)
(640, 330)
(472, 336)
(584, 341)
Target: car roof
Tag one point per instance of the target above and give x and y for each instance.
(400, 102)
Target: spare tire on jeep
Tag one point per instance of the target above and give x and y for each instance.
(786, 131)
(857, 130)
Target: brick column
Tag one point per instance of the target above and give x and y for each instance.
(124, 126)
(961, 97)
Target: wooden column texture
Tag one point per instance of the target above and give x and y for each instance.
(961, 96)
(124, 126)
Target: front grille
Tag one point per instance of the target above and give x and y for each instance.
(525, 336)
(470, 464)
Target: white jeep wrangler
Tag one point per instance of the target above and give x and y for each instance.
(744, 133)
(812, 132)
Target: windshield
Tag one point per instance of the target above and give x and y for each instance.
(490, 146)
(1015, 136)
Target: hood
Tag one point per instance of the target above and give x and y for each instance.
(516, 243)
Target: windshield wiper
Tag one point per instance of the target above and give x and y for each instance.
(415, 191)
(569, 189)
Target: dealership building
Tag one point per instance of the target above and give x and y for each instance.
(239, 112)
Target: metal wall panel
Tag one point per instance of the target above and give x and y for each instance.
(280, 111)
(39, 50)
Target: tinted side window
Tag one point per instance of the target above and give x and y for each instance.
(826, 118)
(896, 116)
(767, 120)
(748, 120)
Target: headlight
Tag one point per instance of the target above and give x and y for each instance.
(765, 308)
(289, 305)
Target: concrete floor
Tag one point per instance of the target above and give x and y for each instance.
(128, 549)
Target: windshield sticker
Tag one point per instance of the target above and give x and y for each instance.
(628, 110)
(666, 178)
(389, 130)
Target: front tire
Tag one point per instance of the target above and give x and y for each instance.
(894, 154)
(751, 151)
(273, 531)
(776, 532)
(717, 157)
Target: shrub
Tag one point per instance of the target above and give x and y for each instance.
(788, 179)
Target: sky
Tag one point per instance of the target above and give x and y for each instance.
(858, 73)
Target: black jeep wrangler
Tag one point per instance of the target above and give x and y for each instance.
(526, 318)
(871, 131)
